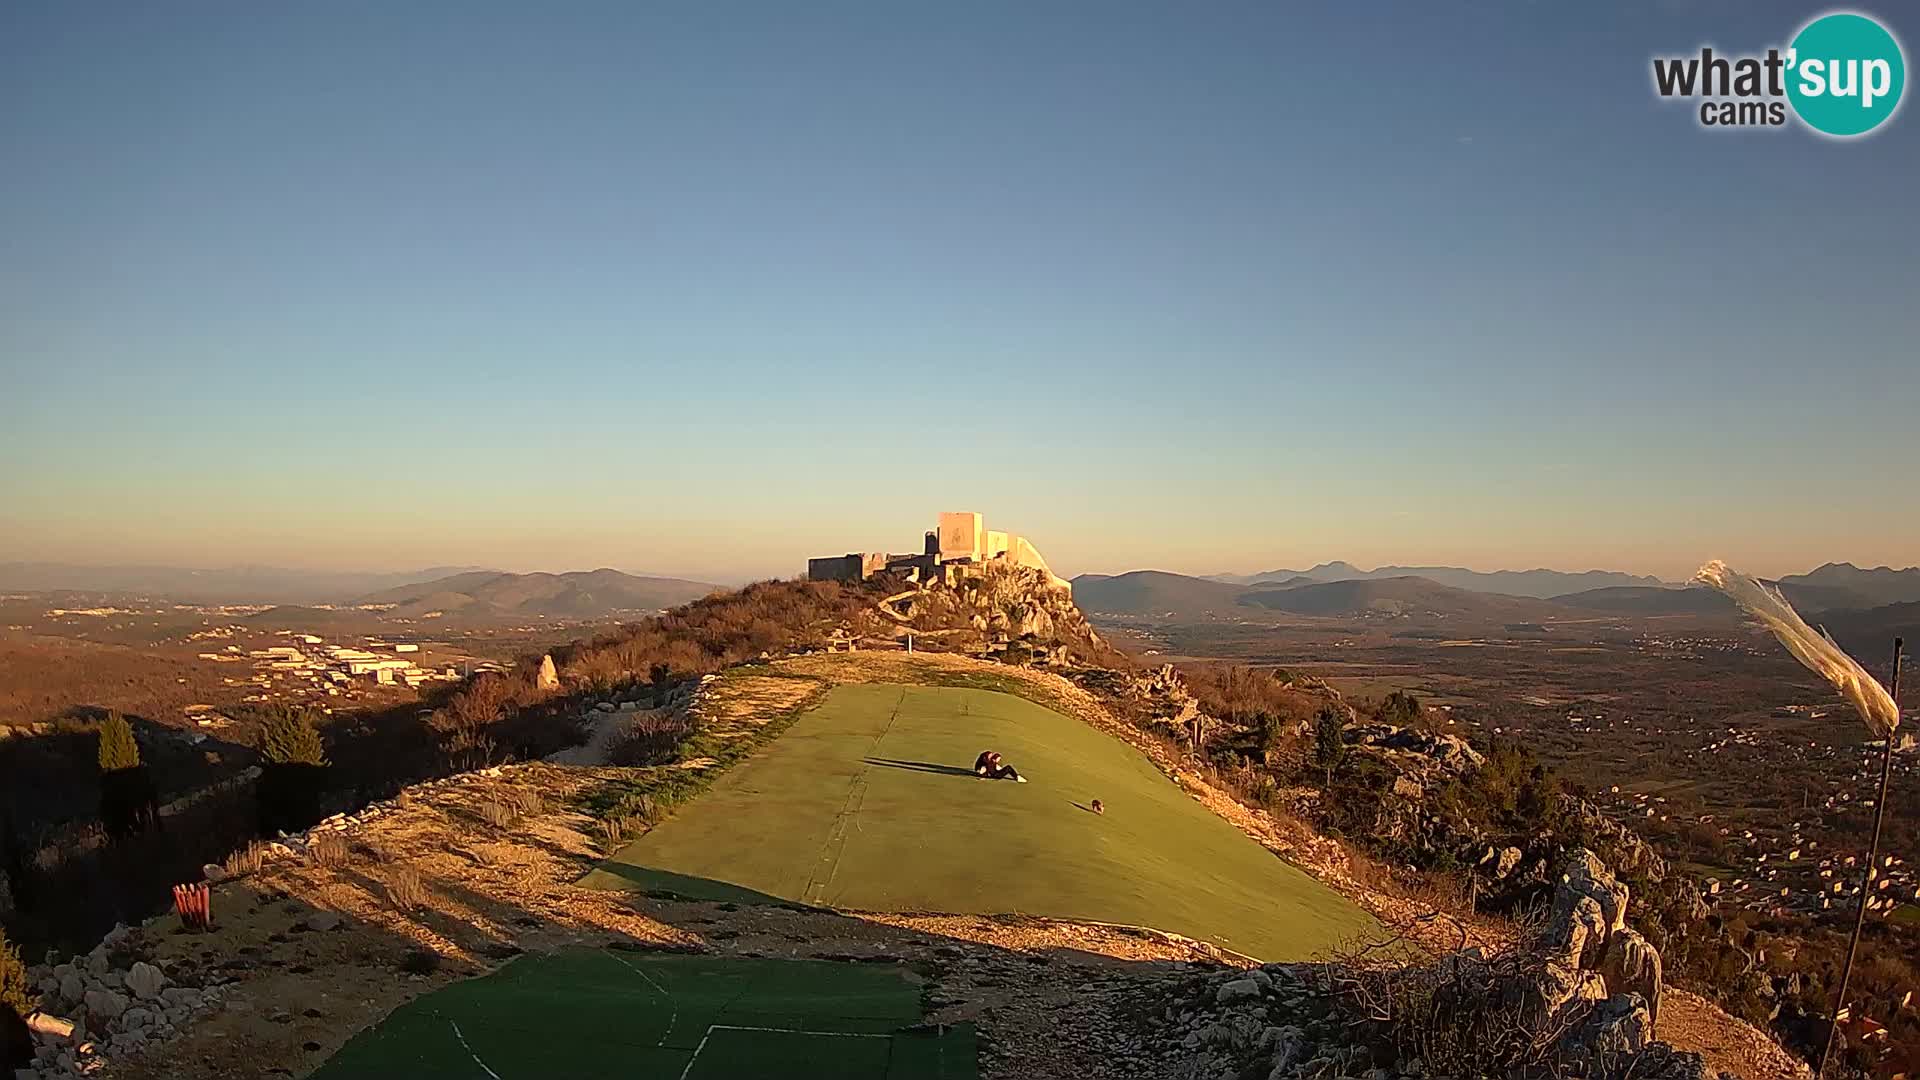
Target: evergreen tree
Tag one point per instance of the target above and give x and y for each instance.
(1329, 740)
(1400, 709)
(118, 750)
(288, 737)
(293, 784)
(128, 801)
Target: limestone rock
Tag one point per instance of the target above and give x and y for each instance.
(1237, 990)
(1549, 990)
(1576, 930)
(1586, 875)
(1505, 862)
(72, 987)
(1630, 964)
(1450, 752)
(322, 921)
(1286, 1045)
(1617, 1028)
(145, 980)
(105, 1004)
(1588, 907)
(548, 678)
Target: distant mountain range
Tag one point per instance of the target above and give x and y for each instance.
(1832, 591)
(226, 585)
(1536, 583)
(1408, 595)
(1155, 594)
(1853, 587)
(580, 594)
(470, 589)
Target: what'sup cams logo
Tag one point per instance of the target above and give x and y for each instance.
(1843, 75)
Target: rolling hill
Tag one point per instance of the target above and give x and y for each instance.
(1866, 633)
(1539, 584)
(579, 594)
(1649, 600)
(1846, 585)
(1156, 594)
(1408, 595)
(1626, 600)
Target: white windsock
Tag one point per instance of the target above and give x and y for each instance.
(1809, 646)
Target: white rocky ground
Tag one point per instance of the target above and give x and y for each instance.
(107, 1003)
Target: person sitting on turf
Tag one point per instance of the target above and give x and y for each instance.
(988, 765)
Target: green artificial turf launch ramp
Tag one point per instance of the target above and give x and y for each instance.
(869, 803)
(651, 1016)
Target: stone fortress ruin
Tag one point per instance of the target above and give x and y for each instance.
(962, 545)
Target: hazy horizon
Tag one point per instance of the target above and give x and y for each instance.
(707, 292)
(736, 577)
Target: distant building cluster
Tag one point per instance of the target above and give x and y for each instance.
(961, 543)
(313, 666)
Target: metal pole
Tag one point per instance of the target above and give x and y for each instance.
(1873, 857)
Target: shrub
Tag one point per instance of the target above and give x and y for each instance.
(118, 749)
(406, 888)
(16, 1001)
(652, 739)
(468, 718)
(616, 831)
(247, 860)
(1399, 709)
(16, 992)
(329, 849)
(288, 737)
(499, 814)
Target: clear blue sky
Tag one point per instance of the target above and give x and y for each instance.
(707, 288)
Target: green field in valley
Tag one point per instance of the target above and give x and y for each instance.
(869, 803)
(611, 1012)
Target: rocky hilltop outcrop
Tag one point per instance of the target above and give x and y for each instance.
(1578, 999)
(1004, 610)
(1415, 811)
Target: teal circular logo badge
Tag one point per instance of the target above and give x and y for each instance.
(1845, 74)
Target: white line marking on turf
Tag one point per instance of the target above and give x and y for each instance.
(673, 1003)
(799, 1031)
(784, 1031)
(469, 1050)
